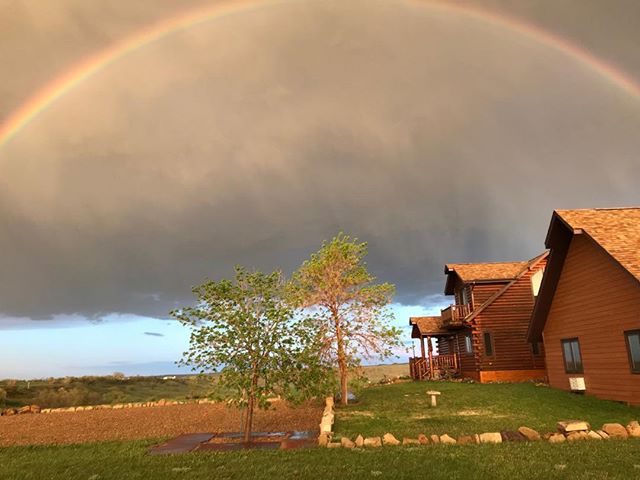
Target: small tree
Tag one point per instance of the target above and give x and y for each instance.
(246, 330)
(349, 309)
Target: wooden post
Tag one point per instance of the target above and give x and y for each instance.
(430, 358)
(422, 347)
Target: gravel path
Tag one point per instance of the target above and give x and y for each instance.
(148, 422)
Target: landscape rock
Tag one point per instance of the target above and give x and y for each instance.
(373, 442)
(573, 426)
(423, 439)
(410, 441)
(557, 438)
(359, 441)
(25, 409)
(615, 430)
(604, 435)
(35, 409)
(591, 435)
(447, 439)
(347, 443)
(634, 429)
(529, 433)
(466, 439)
(435, 439)
(575, 436)
(9, 411)
(389, 439)
(334, 445)
(509, 436)
(323, 439)
(490, 437)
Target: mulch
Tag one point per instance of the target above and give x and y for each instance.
(149, 422)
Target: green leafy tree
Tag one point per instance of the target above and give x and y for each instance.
(349, 309)
(246, 330)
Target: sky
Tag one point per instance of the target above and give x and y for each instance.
(436, 131)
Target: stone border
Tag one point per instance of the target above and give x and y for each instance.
(567, 432)
(326, 423)
(160, 403)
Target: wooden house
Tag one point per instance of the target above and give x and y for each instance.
(588, 310)
(483, 335)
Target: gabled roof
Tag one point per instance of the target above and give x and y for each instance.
(481, 272)
(615, 230)
(423, 326)
(528, 266)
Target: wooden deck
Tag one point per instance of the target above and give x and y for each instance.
(440, 365)
(454, 315)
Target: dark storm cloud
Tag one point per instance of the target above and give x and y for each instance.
(251, 139)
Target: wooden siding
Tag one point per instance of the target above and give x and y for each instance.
(507, 320)
(595, 301)
(484, 291)
(447, 346)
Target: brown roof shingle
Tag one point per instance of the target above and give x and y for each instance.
(427, 326)
(473, 272)
(617, 230)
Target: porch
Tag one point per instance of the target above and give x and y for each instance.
(429, 366)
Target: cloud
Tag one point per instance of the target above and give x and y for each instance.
(154, 334)
(251, 139)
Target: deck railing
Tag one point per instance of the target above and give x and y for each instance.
(454, 315)
(420, 369)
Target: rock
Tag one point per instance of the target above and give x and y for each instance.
(423, 439)
(557, 438)
(410, 441)
(35, 409)
(591, 435)
(323, 439)
(509, 436)
(45, 410)
(373, 442)
(615, 430)
(466, 439)
(435, 439)
(359, 441)
(334, 445)
(9, 411)
(490, 437)
(529, 433)
(161, 403)
(575, 436)
(389, 439)
(604, 435)
(25, 409)
(117, 406)
(573, 426)
(634, 429)
(347, 443)
(447, 439)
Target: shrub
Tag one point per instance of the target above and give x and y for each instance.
(3, 396)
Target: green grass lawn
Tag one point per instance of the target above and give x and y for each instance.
(403, 409)
(101, 461)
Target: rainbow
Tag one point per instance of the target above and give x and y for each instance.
(82, 71)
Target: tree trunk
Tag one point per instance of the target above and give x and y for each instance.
(248, 421)
(342, 361)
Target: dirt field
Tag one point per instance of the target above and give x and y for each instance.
(148, 422)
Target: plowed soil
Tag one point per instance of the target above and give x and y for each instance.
(149, 422)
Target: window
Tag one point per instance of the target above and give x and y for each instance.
(535, 348)
(633, 347)
(465, 297)
(468, 344)
(488, 344)
(572, 356)
(536, 281)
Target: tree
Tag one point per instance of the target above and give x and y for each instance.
(349, 310)
(246, 330)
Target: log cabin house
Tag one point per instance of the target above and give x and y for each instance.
(483, 335)
(588, 310)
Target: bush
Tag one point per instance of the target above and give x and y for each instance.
(3, 396)
(66, 397)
